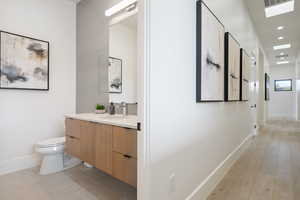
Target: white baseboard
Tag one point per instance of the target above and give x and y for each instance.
(19, 163)
(283, 117)
(209, 184)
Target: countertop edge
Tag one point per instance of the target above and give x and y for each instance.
(76, 116)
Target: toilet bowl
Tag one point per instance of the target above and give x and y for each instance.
(54, 160)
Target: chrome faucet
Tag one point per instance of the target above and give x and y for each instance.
(124, 108)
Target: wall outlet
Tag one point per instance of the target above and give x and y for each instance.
(172, 183)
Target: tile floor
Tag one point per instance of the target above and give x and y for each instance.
(78, 183)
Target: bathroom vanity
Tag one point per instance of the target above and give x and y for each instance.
(108, 142)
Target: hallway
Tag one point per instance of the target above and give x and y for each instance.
(268, 169)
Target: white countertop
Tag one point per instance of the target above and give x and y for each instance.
(129, 121)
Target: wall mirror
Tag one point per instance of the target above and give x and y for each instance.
(122, 72)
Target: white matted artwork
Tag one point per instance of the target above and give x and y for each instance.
(115, 75)
(210, 56)
(245, 75)
(24, 62)
(232, 68)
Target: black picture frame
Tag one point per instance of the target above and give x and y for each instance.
(199, 80)
(226, 65)
(242, 53)
(48, 61)
(267, 87)
(121, 76)
(278, 90)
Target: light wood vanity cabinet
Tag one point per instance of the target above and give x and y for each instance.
(87, 142)
(104, 148)
(125, 155)
(125, 168)
(73, 146)
(72, 137)
(125, 141)
(73, 127)
(109, 148)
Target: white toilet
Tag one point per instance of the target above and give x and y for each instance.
(53, 159)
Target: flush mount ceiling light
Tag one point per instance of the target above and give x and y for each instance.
(278, 7)
(280, 38)
(283, 46)
(282, 62)
(118, 7)
(280, 27)
(282, 53)
(282, 56)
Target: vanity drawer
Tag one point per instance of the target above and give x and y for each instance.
(73, 146)
(125, 168)
(125, 141)
(72, 127)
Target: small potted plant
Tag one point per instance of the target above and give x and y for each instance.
(100, 109)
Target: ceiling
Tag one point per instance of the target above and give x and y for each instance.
(268, 33)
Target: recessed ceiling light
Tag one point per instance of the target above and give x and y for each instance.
(118, 7)
(280, 27)
(280, 8)
(282, 62)
(280, 38)
(283, 46)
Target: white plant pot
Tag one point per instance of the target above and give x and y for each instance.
(99, 111)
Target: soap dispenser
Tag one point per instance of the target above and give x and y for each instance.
(112, 109)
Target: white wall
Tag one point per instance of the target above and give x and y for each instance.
(123, 45)
(298, 86)
(283, 104)
(186, 138)
(262, 104)
(29, 116)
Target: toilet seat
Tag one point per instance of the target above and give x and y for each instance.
(53, 142)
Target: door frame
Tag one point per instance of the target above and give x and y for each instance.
(143, 93)
(253, 93)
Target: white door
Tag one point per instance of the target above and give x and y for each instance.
(253, 96)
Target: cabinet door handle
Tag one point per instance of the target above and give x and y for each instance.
(72, 137)
(127, 156)
(139, 126)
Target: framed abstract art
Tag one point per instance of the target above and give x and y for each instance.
(115, 75)
(210, 56)
(244, 75)
(232, 68)
(24, 62)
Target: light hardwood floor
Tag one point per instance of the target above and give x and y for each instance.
(268, 170)
(78, 183)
